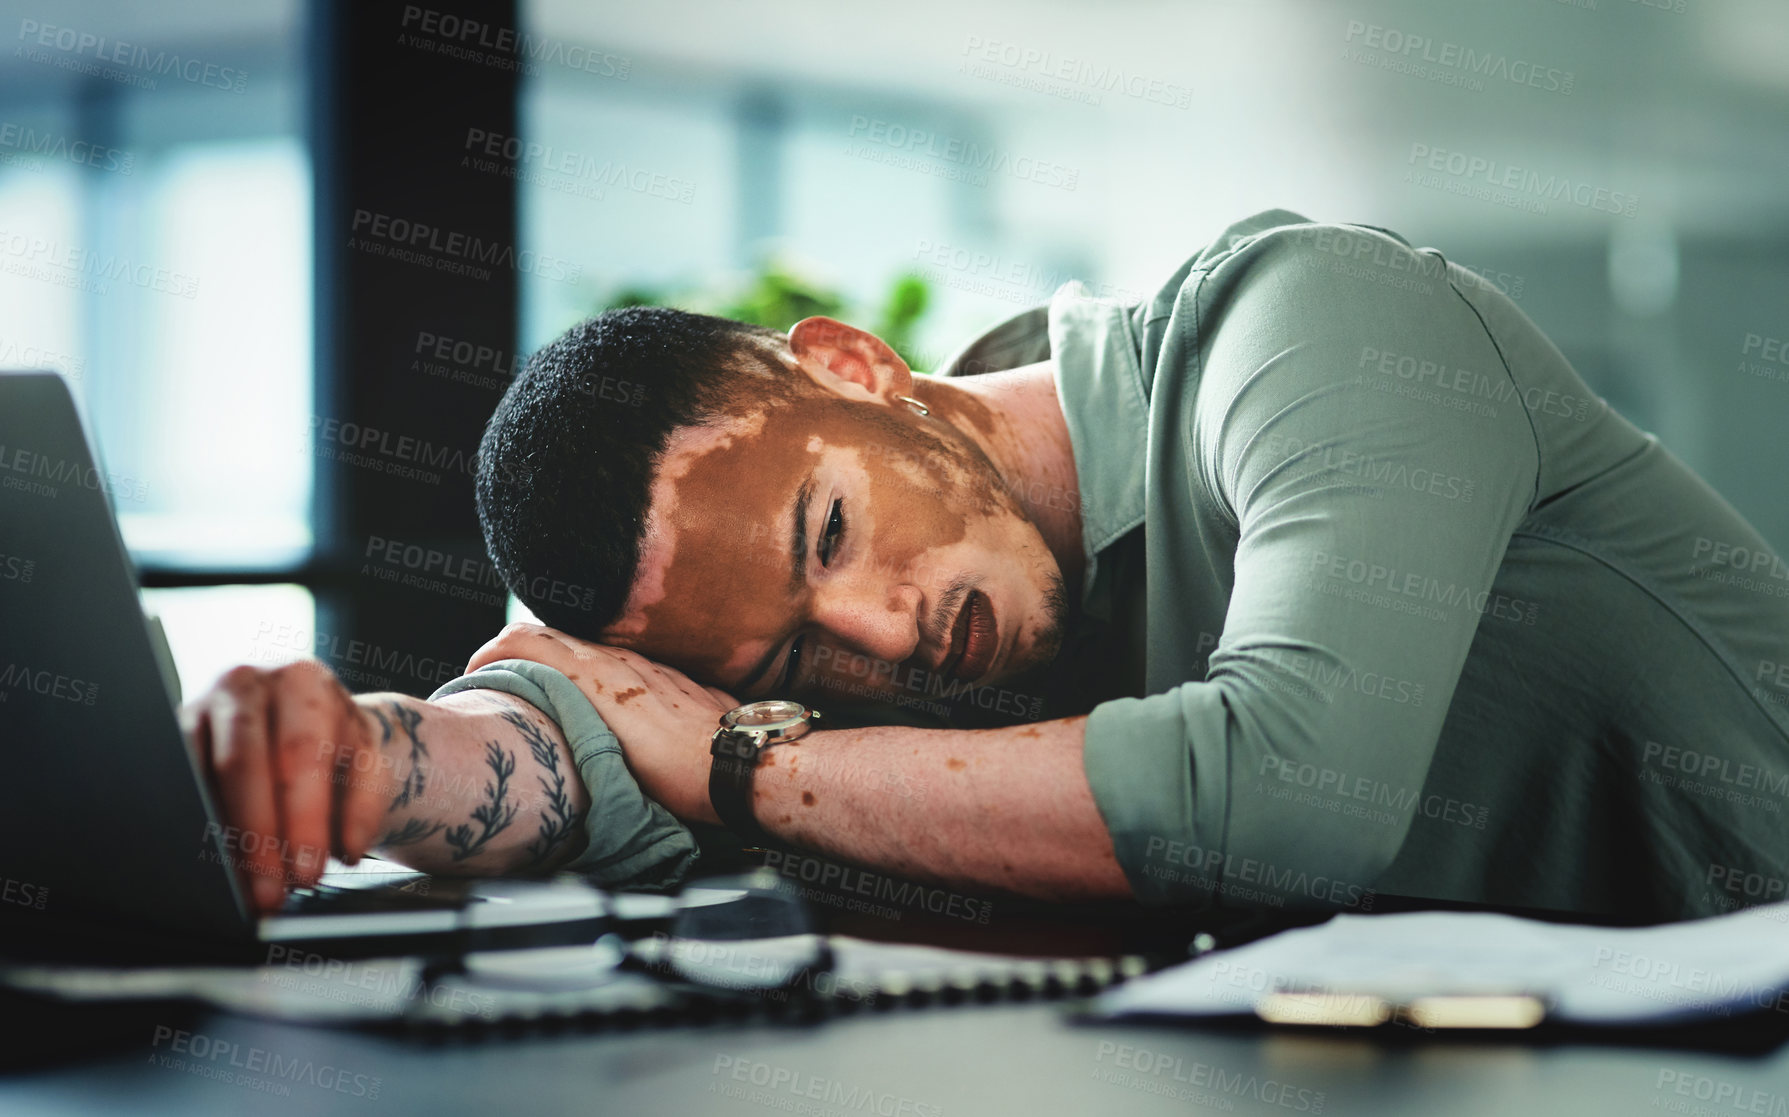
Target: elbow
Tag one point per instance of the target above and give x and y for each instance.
(1340, 871)
(1307, 848)
(1229, 814)
(1285, 867)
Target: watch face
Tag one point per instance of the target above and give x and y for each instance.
(766, 715)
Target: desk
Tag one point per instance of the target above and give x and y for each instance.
(975, 1060)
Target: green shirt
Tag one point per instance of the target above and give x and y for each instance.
(1399, 603)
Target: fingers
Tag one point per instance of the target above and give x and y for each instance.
(704, 697)
(661, 676)
(598, 669)
(236, 743)
(516, 641)
(195, 731)
(595, 667)
(297, 772)
(306, 750)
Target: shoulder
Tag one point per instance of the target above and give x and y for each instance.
(1346, 258)
(1279, 271)
(1279, 283)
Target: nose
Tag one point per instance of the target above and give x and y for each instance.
(871, 616)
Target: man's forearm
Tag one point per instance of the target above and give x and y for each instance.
(993, 808)
(483, 783)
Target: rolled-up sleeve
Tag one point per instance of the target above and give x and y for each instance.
(630, 840)
(1357, 435)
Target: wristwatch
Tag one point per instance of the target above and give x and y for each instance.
(745, 732)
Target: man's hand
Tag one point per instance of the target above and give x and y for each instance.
(663, 719)
(479, 782)
(279, 746)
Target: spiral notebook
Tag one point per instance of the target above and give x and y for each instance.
(609, 980)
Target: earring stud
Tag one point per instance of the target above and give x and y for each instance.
(919, 408)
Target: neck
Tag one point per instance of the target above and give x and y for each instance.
(1020, 427)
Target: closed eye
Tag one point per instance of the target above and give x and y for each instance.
(824, 548)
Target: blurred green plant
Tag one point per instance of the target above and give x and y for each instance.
(777, 297)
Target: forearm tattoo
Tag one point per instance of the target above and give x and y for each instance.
(412, 831)
(559, 820)
(417, 777)
(492, 816)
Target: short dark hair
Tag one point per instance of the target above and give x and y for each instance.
(566, 464)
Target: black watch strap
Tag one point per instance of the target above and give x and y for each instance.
(730, 775)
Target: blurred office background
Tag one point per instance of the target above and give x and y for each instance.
(207, 210)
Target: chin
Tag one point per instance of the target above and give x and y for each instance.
(1046, 628)
(1032, 658)
(1023, 656)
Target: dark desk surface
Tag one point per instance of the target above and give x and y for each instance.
(1018, 1058)
(983, 1059)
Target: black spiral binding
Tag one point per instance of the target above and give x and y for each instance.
(647, 996)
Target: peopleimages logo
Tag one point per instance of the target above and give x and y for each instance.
(1369, 467)
(1773, 353)
(15, 568)
(519, 158)
(1421, 587)
(209, 1057)
(24, 893)
(971, 157)
(1448, 63)
(988, 273)
(1727, 1096)
(397, 455)
(1713, 766)
(1326, 784)
(1065, 76)
(75, 46)
(451, 251)
(1203, 1076)
(81, 269)
(14, 354)
(472, 40)
(1479, 385)
(1756, 567)
(1232, 874)
(426, 563)
(839, 886)
(375, 984)
(1530, 190)
(25, 140)
(803, 1090)
(50, 684)
(351, 659)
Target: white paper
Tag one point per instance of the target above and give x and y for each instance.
(1706, 968)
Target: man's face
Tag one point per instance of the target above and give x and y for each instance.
(811, 545)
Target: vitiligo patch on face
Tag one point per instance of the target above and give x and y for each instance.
(715, 588)
(959, 409)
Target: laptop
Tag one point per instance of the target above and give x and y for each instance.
(110, 841)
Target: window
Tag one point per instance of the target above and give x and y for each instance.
(155, 248)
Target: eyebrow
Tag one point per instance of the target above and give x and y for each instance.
(798, 562)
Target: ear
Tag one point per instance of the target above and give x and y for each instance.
(848, 361)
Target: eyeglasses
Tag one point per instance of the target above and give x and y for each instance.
(749, 932)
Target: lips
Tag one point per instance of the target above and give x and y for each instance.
(973, 639)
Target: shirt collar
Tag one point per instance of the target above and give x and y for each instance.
(1100, 383)
(1100, 386)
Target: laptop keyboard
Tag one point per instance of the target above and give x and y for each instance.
(417, 894)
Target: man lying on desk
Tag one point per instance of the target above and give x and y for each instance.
(1333, 575)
